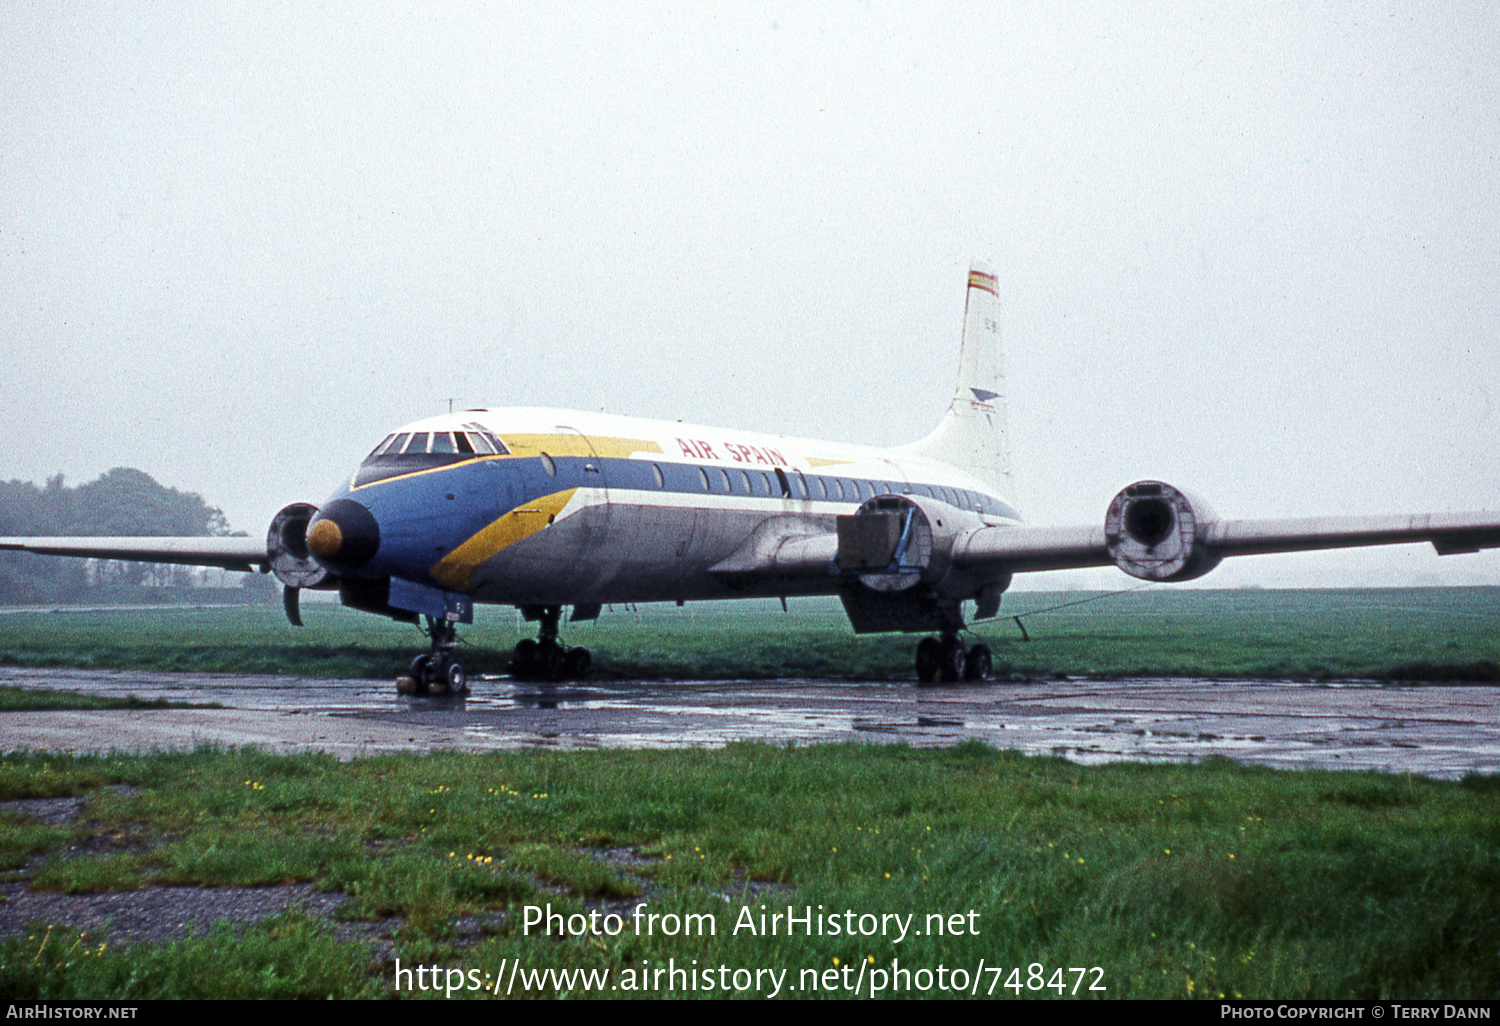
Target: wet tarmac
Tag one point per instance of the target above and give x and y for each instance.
(1434, 730)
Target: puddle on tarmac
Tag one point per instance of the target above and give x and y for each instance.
(1437, 730)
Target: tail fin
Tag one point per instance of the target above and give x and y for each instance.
(972, 434)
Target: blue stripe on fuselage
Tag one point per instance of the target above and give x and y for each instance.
(426, 514)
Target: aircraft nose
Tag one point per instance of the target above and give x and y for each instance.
(343, 535)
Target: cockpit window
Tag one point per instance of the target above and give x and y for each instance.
(484, 443)
(407, 452)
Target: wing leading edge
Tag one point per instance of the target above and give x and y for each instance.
(245, 554)
(1022, 549)
(1183, 545)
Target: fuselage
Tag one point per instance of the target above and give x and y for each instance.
(533, 506)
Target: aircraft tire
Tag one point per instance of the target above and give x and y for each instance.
(952, 660)
(929, 661)
(523, 659)
(979, 664)
(579, 662)
(552, 662)
(458, 679)
(419, 674)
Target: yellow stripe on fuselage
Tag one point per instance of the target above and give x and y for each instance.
(567, 444)
(454, 569)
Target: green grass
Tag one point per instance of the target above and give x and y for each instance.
(1176, 880)
(285, 957)
(1394, 634)
(46, 700)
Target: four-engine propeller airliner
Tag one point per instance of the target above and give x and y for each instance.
(547, 509)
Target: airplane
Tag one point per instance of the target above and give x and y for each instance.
(547, 509)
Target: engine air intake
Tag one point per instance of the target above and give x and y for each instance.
(1159, 533)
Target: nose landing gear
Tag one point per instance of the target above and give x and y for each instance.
(437, 672)
(542, 658)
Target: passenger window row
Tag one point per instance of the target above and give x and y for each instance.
(794, 485)
(397, 454)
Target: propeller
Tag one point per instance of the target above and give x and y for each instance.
(290, 602)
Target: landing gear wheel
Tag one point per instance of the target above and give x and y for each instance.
(432, 672)
(457, 679)
(419, 674)
(523, 659)
(552, 663)
(979, 664)
(542, 658)
(437, 674)
(579, 662)
(952, 660)
(929, 661)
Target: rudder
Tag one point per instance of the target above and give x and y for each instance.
(972, 435)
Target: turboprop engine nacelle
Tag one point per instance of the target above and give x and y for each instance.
(286, 545)
(899, 549)
(894, 542)
(1159, 533)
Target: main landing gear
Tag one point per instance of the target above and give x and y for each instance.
(944, 659)
(542, 658)
(437, 672)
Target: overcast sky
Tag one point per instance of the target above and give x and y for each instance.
(1252, 250)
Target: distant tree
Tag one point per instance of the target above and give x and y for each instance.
(123, 501)
(27, 509)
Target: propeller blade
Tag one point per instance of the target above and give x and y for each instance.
(290, 602)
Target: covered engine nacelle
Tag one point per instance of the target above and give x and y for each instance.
(1159, 533)
(895, 542)
(899, 551)
(286, 545)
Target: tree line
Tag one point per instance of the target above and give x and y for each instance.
(123, 501)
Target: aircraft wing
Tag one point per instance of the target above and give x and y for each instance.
(1021, 549)
(1187, 545)
(245, 554)
(783, 547)
(1449, 533)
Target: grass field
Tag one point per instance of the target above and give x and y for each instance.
(51, 699)
(1174, 881)
(1397, 634)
